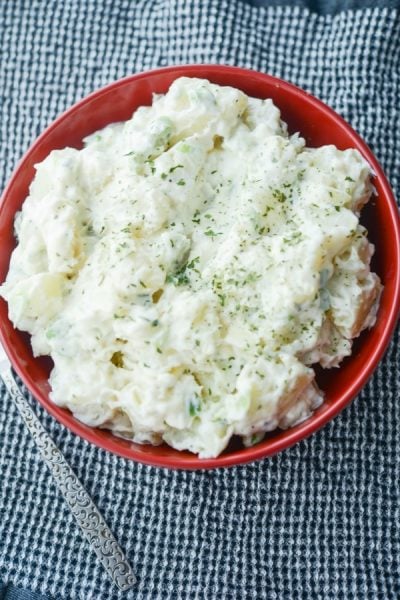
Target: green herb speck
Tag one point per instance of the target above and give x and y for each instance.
(194, 405)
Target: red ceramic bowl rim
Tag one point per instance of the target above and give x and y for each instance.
(317, 420)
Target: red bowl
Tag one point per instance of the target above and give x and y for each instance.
(319, 125)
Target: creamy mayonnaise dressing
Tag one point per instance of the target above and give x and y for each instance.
(187, 267)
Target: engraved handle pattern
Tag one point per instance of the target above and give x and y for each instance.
(85, 512)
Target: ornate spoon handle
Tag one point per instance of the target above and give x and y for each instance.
(85, 512)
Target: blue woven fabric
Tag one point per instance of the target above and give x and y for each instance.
(11, 592)
(319, 521)
(328, 7)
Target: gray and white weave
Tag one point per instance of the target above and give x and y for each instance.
(319, 521)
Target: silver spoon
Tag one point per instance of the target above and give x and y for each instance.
(82, 507)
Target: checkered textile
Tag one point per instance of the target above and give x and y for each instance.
(319, 521)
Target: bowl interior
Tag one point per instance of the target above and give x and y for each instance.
(319, 125)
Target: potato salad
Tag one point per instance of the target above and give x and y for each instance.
(187, 268)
